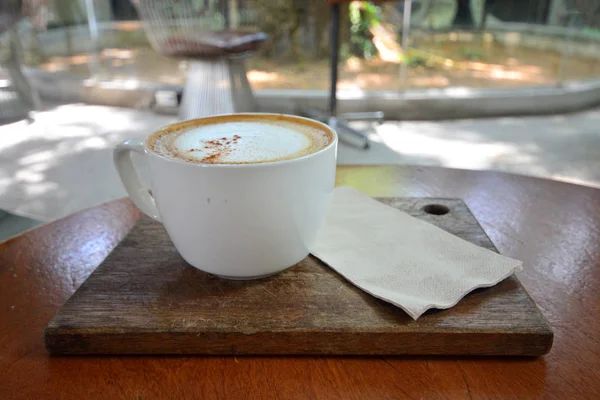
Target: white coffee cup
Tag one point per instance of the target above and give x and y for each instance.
(237, 221)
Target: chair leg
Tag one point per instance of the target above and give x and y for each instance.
(341, 127)
(338, 124)
(216, 87)
(14, 65)
(376, 116)
(313, 114)
(207, 90)
(243, 97)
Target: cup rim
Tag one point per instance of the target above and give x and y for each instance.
(244, 165)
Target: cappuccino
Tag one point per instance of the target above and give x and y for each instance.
(259, 184)
(240, 139)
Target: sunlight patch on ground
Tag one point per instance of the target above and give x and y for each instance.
(255, 76)
(558, 147)
(423, 142)
(429, 81)
(63, 161)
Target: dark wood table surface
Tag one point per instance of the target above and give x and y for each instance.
(553, 227)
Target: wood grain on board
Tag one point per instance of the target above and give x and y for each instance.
(144, 299)
(553, 227)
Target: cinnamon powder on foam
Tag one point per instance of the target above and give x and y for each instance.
(163, 144)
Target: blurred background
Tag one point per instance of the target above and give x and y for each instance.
(466, 43)
(509, 85)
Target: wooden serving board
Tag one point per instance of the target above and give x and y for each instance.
(144, 299)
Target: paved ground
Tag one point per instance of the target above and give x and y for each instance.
(62, 162)
(12, 225)
(562, 147)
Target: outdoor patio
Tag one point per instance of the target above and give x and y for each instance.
(62, 163)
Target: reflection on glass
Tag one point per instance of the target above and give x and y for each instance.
(581, 45)
(492, 44)
(450, 43)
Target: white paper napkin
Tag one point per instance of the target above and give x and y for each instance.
(401, 259)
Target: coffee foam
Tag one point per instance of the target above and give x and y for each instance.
(240, 140)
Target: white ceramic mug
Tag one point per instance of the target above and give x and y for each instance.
(238, 221)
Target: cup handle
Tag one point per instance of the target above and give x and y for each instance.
(130, 178)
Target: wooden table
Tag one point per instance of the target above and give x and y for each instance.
(553, 227)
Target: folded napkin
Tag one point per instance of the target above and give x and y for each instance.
(401, 259)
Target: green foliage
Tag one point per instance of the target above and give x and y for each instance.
(345, 51)
(414, 60)
(592, 32)
(363, 15)
(125, 39)
(472, 54)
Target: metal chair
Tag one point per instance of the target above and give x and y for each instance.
(11, 60)
(199, 30)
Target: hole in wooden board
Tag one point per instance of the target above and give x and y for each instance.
(436, 209)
